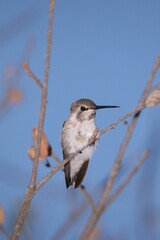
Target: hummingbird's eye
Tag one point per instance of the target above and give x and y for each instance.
(83, 108)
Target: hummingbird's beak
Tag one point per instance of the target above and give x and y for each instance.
(107, 106)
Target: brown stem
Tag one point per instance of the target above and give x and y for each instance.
(126, 180)
(5, 232)
(31, 75)
(88, 196)
(32, 186)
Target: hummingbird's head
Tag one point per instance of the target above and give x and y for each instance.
(85, 109)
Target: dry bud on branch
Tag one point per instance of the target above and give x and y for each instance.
(153, 99)
(14, 95)
(2, 216)
(32, 152)
(45, 149)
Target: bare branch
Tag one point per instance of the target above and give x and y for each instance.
(56, 169)
(31, 75)
(32, 186)
(80, 209)
(156, 86)
(117, 164)
(127, 179)
(82, 188)
(44, 95)
(131, 113)
(54, 156)
(5, 232)
(88, 196)
(150, 80)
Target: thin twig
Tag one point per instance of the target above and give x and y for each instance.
(54, 156)
(88, 196)
(156, 86)
(80, 209)
(31, 75)
(150, 80)
(32, 186)
(44, 96)
(82, 188)
(96, 214)
(5, 232)
(131, 113)
(126, 180)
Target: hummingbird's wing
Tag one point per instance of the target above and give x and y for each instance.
(66, 154)
(67, 169)
(81, 174)
(67, 174)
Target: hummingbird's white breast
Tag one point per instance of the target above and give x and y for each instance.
(75, 136)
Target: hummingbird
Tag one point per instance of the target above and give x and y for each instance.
(76, 134)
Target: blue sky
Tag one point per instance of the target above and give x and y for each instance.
(102, 50)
